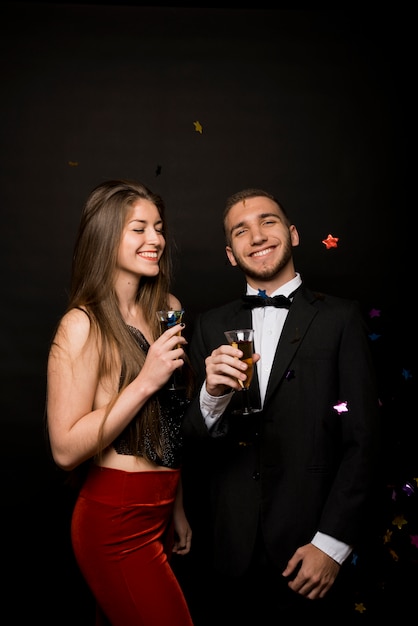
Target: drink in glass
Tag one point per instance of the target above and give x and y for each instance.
(243, 339)
(169, 318)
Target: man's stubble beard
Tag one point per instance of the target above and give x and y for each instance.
(271, 271)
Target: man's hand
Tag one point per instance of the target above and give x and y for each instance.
(317, 572)
(224, 369)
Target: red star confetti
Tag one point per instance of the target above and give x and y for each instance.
(330, 242)
(341, 407)
(414, 540)
(198, 127)
(359, 607)
(374, 313)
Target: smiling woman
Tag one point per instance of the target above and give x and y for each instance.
(108, 413)
(143, 240)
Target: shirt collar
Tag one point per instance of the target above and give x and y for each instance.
(284, 290)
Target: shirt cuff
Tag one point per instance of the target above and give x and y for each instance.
(337, 550)
(212, 407)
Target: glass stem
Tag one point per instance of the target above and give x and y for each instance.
(246, 401)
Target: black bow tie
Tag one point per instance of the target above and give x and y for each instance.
(281, 302)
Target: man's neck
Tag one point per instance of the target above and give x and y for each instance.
(271, 286)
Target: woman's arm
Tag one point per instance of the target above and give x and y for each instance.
(77, 401)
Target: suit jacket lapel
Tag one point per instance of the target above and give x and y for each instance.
(298, 320)
(240, 318)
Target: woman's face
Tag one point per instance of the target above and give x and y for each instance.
(142, 242)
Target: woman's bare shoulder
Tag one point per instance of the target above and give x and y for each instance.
(74, 327)
(174, 302)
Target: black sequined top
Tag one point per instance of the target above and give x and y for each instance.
(171, 406)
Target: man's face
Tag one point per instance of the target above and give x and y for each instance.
(260, 239)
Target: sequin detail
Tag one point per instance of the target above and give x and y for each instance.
(171, 406)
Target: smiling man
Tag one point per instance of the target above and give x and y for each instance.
(290, 487)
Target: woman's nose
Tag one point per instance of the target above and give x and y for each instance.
(152, 235)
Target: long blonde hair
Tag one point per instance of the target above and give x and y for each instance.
(92, 290)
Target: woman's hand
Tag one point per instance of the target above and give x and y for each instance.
(182, 534)
(164, 356)
(182, 530)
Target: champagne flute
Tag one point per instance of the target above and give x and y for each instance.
(243, 339)
(169, 318)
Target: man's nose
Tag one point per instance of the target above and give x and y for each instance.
(257, 234)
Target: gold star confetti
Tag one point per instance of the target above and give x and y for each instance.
(393, 554)
(387, 536)
(359, 607)
(198, 127)
(73, 163)
(399, 521)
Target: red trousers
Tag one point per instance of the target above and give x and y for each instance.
(121, 529)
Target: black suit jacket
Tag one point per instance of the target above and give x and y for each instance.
(300, 465)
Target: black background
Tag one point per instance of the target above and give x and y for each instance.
(317, 106)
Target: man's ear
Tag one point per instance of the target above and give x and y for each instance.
(294, 235)
(230, 256)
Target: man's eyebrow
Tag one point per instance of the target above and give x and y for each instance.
(261, 216)
(270, 214)
(235, 226)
